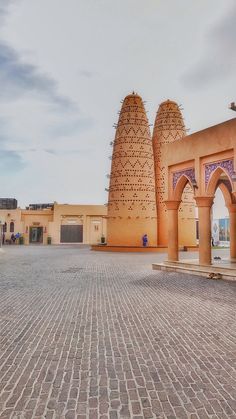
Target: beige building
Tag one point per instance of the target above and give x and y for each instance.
(36, 225)
(11, 220)
(207, 161)
(78, 224)
(58, 223)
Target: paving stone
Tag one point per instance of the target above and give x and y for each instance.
(70, 414)
(97, 335)
(124, 412)
(136, 408)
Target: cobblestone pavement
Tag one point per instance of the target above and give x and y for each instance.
(101, 335)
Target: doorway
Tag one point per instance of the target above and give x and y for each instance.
(36, 235)
(71, 234)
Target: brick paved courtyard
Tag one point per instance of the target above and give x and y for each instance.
(101, 335)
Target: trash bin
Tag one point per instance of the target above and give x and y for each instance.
(21, 240)
(49, 240)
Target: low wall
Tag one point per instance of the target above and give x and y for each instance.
(105, 248)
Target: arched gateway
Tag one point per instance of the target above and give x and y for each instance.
(205, 160)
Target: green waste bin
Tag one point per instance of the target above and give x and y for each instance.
(21, 240)
(103, 240)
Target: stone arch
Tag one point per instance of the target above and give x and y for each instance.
(12, 226)
(225, 186)
(180, 185)
(228, 197)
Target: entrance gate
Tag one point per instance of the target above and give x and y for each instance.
(71, 234)
(36, 235)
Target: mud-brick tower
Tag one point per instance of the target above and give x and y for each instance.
(169, 126)
(131, 201)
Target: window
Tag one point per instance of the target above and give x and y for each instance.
(12, 227)
(4, 227)
(197, 229)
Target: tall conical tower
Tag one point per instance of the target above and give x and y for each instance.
(132, 202)
(169, 127)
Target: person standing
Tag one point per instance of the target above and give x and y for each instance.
(145, 240)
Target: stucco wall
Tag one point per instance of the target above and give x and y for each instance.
(9, 216)
(91, 216)
(195, 150)
(39, 218)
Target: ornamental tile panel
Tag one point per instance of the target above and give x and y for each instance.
(189, 173)
(227, 165)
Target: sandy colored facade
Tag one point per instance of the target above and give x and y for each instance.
(34, 221)
(155, 186)
(169, 128)
(206, 160)
(139, 178)
(62, 224)
(90, 218)
(11, 219)
(131, 201)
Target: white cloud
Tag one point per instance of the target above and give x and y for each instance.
(91, 54)
(218, 59)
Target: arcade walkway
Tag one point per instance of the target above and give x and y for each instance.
(101, 335)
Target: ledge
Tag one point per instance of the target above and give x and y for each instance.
(214, 271)
(140, 249)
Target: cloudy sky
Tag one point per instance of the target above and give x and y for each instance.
(65, 65)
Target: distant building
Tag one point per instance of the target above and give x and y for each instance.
(39, 206)
(8, 203)
(62, 223)
(221, 232)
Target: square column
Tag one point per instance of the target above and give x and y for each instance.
(173, 245)
(204, 204)
(232, 230)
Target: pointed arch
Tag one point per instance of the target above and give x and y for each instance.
(12, 226)
(228, 197)
(225, 185)
(180, 185)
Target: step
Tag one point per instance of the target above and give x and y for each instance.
(215, 267)
(228, 274)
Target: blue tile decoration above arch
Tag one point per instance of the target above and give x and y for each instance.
(227, 165)
(189, 173)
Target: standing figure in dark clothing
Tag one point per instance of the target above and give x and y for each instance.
(145, 240)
